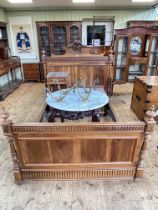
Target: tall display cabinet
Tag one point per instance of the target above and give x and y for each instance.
(55, 36)
(136, 53)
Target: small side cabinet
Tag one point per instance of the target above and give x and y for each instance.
(31, 71)
(145, 95)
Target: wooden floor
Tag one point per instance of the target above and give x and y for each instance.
(27, 103)
(85, 195)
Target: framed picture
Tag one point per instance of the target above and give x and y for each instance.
(21, 35)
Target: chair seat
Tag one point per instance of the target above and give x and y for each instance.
(61, 77)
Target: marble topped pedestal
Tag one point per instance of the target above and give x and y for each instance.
(73, 106)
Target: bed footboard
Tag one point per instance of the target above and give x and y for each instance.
(68, 151)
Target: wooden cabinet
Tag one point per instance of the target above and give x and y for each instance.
(136, 52)
(31, 71)
(53, 37)
(10, 76)
(145, 95)
(10, 67)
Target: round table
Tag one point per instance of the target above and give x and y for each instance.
(72, 103)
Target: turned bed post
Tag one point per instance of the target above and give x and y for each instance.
(150, 122)
(108, 76)
(44, 60)
(7, 131)
(111, 77)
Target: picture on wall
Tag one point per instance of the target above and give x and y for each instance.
(21, 32)
(21, 35)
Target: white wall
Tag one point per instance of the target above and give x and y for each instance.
(3, 17)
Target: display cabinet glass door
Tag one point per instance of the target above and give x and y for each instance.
(45, 40)
(74, 34)
(136, 70)
(153, 59)
(121, 58)
(59, 37)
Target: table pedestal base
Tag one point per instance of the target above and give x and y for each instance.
(51, 114)
(96, 115)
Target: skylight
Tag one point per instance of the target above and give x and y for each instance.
(142, 1)
(83, 1)
(19, 1)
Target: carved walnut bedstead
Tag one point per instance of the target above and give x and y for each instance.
(68, 151)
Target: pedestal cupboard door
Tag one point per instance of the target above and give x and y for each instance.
(31, 71)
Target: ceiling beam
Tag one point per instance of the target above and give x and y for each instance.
(118, 8)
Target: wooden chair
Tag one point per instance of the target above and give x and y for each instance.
(57, 78)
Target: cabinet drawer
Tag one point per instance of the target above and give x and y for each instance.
(3, 69)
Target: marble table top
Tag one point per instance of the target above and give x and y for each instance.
(74, 103)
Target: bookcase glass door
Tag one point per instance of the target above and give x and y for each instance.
(4, 50)
(153, 59)
(60, 37)
(74, 34)
(3, 32)
(45, 40)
